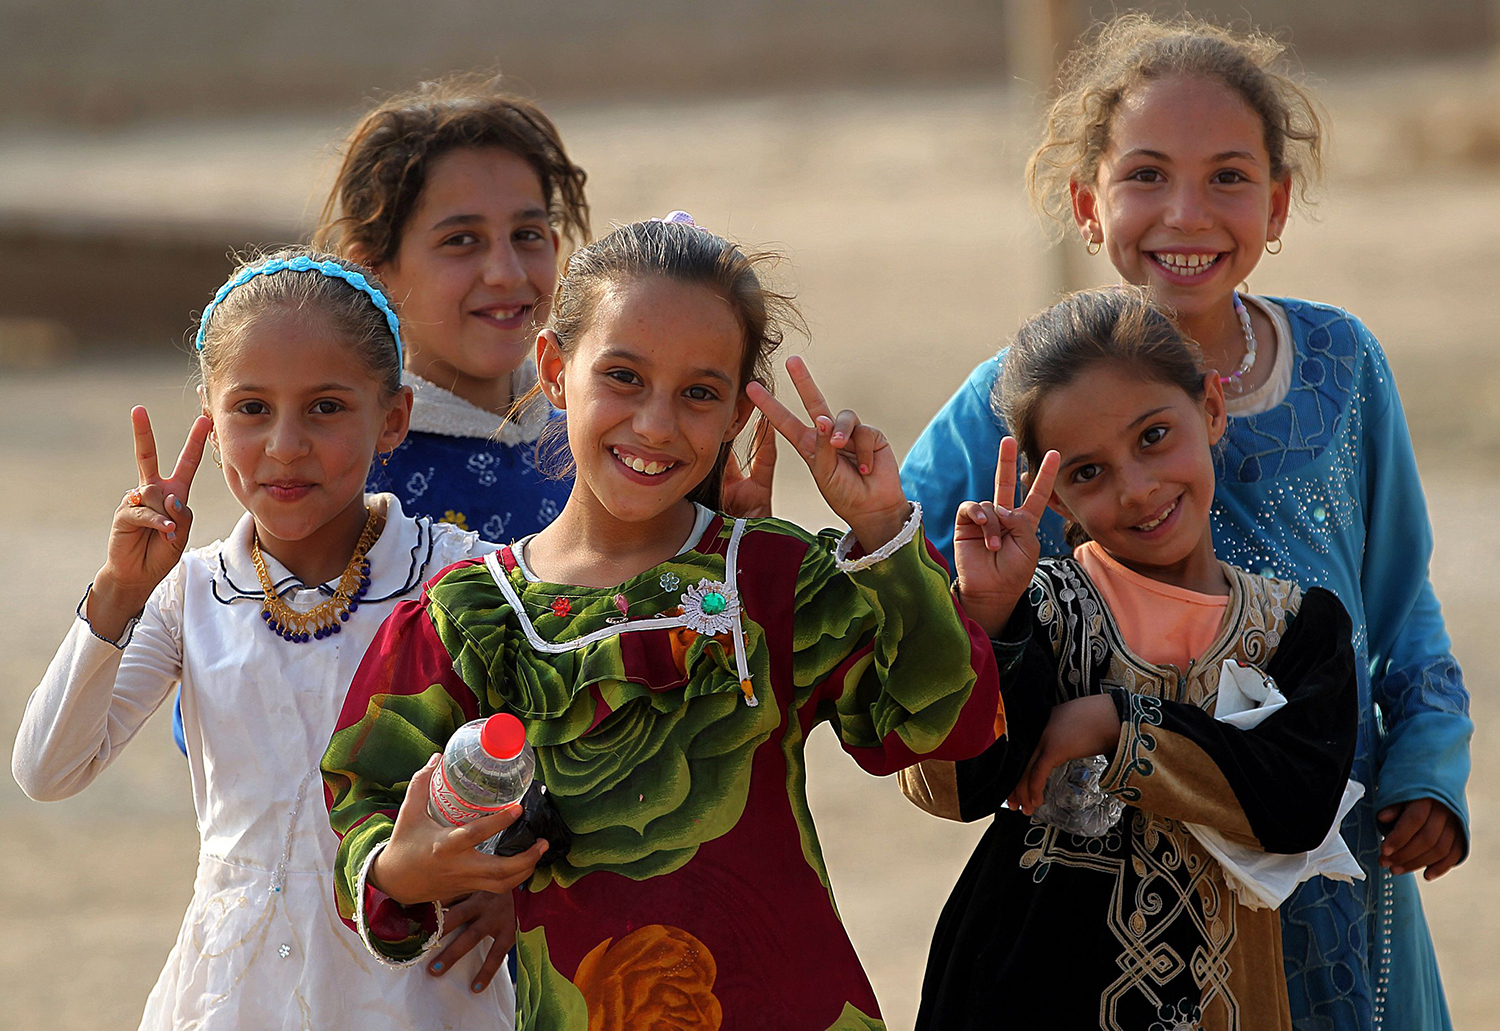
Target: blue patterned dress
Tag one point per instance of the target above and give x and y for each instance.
(1321, 489)
(458, 464)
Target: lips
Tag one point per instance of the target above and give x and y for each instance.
(652, 466)
(287, 490)
(1159, 518)
(1186, 265)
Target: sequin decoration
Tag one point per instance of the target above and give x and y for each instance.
(710, 607)
(562, 608)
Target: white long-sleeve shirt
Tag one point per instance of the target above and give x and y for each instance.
(261, 945)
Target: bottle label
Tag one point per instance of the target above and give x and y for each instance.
(454, 807)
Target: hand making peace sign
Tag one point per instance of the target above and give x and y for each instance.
(150, 528)
(995, 546)
(851, 462)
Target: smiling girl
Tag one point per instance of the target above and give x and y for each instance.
(300, 357)
(1176, 149)
(1121, 651)
(668, 663)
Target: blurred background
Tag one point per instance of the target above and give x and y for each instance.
(879, 145)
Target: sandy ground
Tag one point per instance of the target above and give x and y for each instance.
(914, 254)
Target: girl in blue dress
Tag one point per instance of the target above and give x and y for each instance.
(1177, 149)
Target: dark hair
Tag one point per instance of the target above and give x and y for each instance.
(1119, 325)
(1136, 48)
(349, 311)
(684, 253)
(388, 155)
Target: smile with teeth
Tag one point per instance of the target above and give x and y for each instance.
(1153, 524)
(640, 465)
(1185, 264)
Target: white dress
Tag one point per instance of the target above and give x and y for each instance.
(261, 946)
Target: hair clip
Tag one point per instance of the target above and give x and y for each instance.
(679, 217)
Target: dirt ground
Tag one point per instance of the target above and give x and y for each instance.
(914, 253)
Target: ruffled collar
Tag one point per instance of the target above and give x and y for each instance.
(398, 560)
(440, 411)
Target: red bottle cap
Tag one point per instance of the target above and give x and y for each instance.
(502, 736)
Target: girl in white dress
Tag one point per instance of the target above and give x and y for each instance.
(300, 356)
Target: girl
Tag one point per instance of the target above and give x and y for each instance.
(1176, 149)
(1118, 651)
(300, 362)
(668, 663)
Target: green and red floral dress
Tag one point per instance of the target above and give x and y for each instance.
(669, 715)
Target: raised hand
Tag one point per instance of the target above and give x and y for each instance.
(995, 547)
(747, 495)
(150, 528)
(851, 463)
(428, 861)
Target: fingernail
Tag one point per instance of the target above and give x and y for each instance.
(864, 470)
(477, 986)
(172, 536)
(177, 503)
(980, 517)
(436, 968)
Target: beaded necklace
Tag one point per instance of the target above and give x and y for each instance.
(1248, 362)
(325, 619)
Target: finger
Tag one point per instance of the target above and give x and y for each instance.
(868, 442)
(490, 967)
(732, 472)
(1447, 863)
(844, 425)
(1005, 474)
(1438, 850)
(1420, 843)
(763, 454)
(807, 389)
(481, 830)
(969, 522)
(1407, 824)
(414, 804)
(146, 519)
(506, 872)
(781, 418)
(459, 917)
(192, 454)
(993, 522)
(1041, 485)
(145, 445)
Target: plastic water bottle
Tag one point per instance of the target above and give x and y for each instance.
(486, 766)
(1073, 802)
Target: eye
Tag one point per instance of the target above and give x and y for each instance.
(1085, 473)
(624, 376)
(463, 239)
(252, 408)
(1146, 175)
(531, 234)
(1153, 435)
(701, 393)
(1230, 177)
(327, 406)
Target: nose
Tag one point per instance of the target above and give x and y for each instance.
(655, 421)
(502, 266)
(1137, 484)
(287, 440)
(1188, 208)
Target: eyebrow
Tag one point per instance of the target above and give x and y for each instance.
(321, 388)
(473, 219)
(1156, 155)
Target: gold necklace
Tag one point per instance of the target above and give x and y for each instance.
(326, 618)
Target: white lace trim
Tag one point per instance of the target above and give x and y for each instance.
(364, 926)
(440, 411)
(848, 541)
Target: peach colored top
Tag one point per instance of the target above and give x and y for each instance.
(1165, 625)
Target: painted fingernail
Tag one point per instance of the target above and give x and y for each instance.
(840, 440)
(436, 968)
(172, 536)
(477, 986)
(864, 470)
(177, 504)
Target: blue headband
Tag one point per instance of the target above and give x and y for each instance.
(302, 263)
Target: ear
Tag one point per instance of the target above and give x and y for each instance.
(1281, 203)
(744, 408)
(397, 421)
(1056, 504)
(551, 370)
(1214, 411)
(1086, 211)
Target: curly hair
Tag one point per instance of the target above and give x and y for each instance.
(1136, 48)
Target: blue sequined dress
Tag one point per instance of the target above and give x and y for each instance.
(1323, 489)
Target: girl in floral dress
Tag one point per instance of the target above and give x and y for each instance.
(668, 663)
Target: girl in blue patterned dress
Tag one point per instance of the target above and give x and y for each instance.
(1177, 149)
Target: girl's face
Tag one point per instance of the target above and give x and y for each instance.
(475, 268)
(1137, 474)
(1184, 200)
(298, 418)
(652, 390)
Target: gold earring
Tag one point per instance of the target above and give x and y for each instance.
(1092, 245)
(1278, 244)
(385, 459)
(213, 445)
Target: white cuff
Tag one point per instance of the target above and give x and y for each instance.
(361, 921)
(125, 634)
(885, 551)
